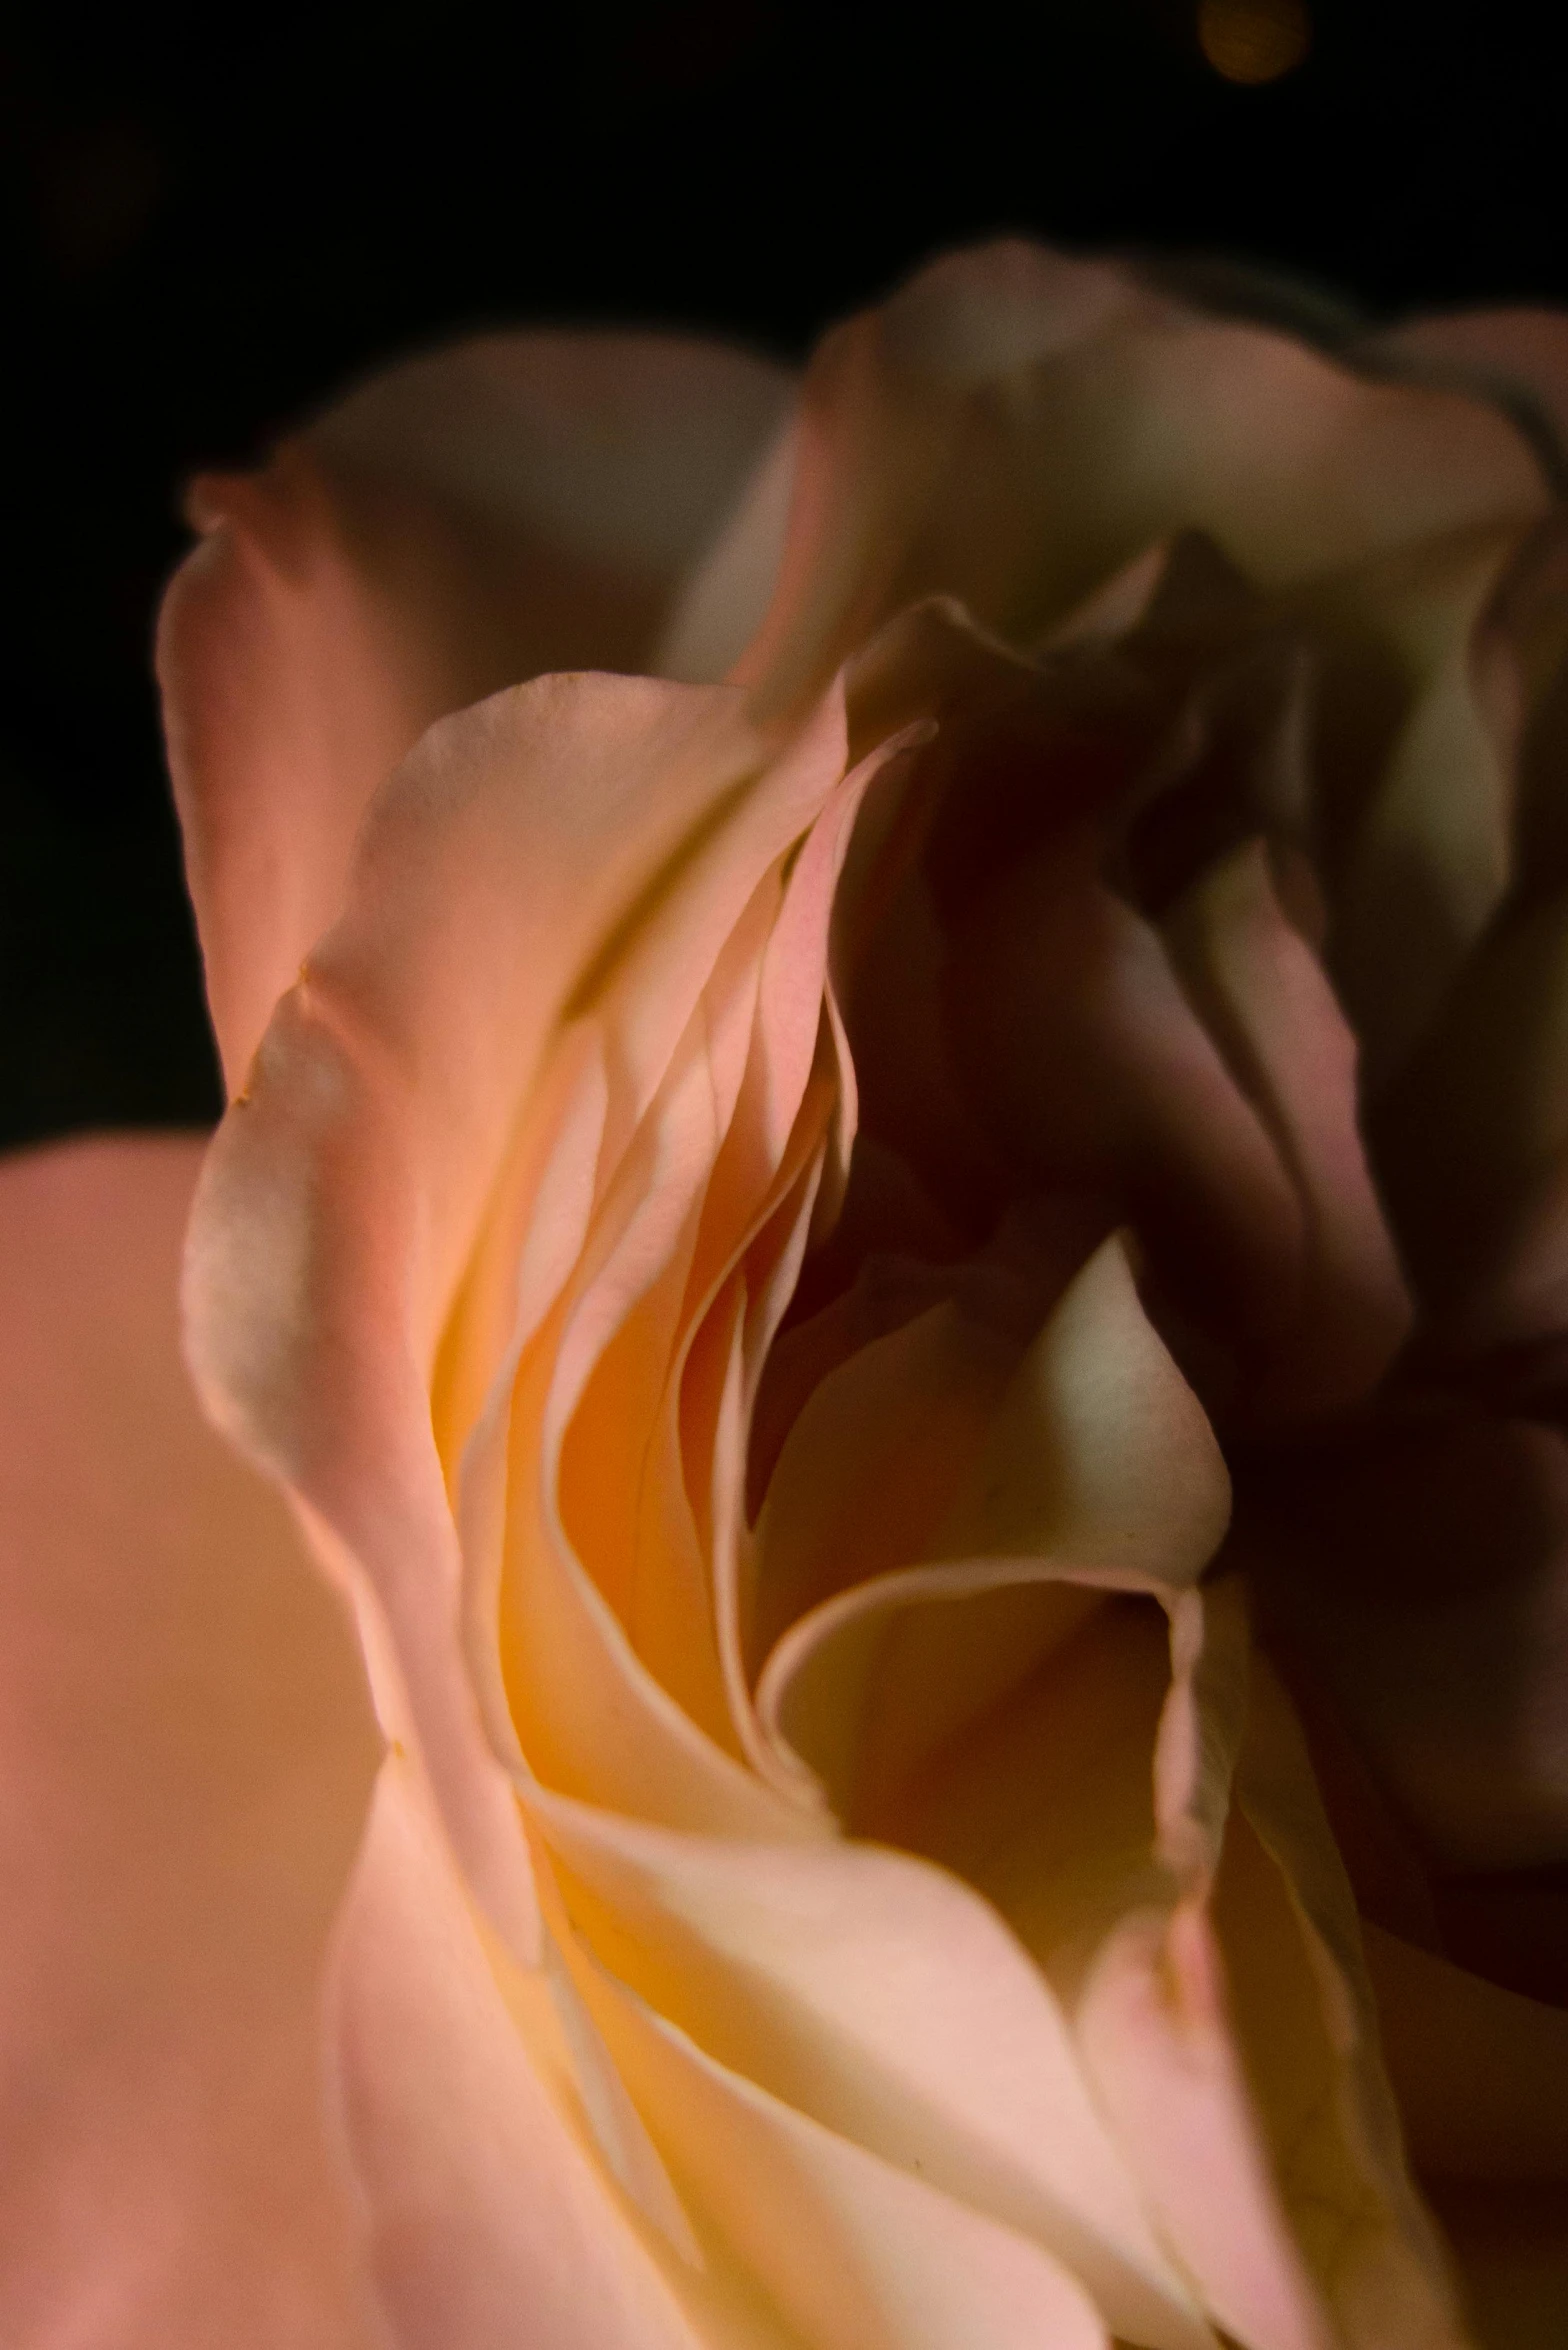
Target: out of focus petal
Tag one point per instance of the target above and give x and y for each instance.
(1424, 1576)
(186, 1749)
(466, 521)
(1271, 1010)
(1481, 2072)
(1014, 426)
(488, 2219)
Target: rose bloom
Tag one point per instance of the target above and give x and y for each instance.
(894, 1223)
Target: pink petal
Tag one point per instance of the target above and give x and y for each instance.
(185, 1750)
(519, 504)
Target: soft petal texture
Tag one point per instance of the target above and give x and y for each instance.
(1424, 1572)
(764, 1238)
(519, 504)
(1013, 426)
(323, 1265)
(1501, 353)
(1482, 2077)
(489, 2222)
(1266, 1001)
(1482, 2072)
(185, 1751)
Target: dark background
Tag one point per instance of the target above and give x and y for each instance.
(209, 215)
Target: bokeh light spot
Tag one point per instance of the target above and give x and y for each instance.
(1254, 40)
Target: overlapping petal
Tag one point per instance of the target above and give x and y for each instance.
(517, 505)
(845, 1873)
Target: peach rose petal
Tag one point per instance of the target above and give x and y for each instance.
(1266, 1002)
(853, 2250)
(1036, 1797)
(343, 1199)
(488, 2218)
(1014, 427)
(1306, 2018)
(521, 503)
(1498, 353)
(883, 1999)
(576, 1407)
(1086, 1466)
(186, 1749)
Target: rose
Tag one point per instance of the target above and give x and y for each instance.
(769, 1230)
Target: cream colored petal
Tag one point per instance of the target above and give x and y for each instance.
(186, 1749)
(881, 1998)
(599, 1395)
(1013, 427)
(1511, 2245)
(518, 504)
(1087, 1061)
(733, 1941)
(344, 1196)
(857, 2253)
(1496, 353)
(487, 2217)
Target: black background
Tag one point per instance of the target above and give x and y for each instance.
(208, 216)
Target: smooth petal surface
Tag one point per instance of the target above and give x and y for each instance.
(765, 1238)
(1267, 1003)
(519, 504)
(488, 2220)
(1014, 426)
(1500, 352)
(186, 1748)
(1425, 1574)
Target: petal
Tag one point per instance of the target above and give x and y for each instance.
(519, 504)
(1013, 427)
(850, 2248)
(1423, 1573)
(1232, 2038)
(1266, 1002)
(489, 2220)
(186, 1749)
(1474, 1136)
(577, 851)
(1501, 353)
(1481, 2072)
(884, 2000)
(1090, 1065)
